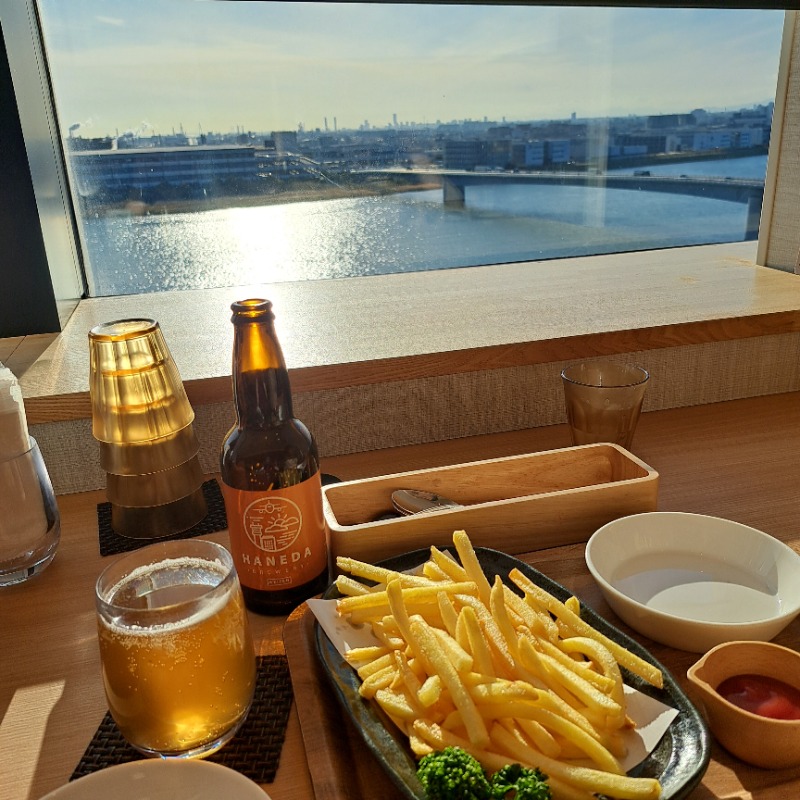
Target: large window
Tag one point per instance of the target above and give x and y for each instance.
(227, 143)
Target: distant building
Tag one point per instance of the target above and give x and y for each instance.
(662, 121)
(714, 139)
(76, 143)
(640, 143)
(464, 153)
(750, 137)
(155, 173)
(500, 133)
(504, 153)
(527, 154)
(498, 152)
(285, 142)
(557, 151)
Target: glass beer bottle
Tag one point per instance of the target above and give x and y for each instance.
(270, 474)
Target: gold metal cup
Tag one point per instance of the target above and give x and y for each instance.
(154, 455)
(155, 488)
(136, 390)
(155, 522)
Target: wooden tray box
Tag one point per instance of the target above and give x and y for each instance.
(517, 504)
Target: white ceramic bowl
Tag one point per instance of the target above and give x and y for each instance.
(692, 582)
(161, 779)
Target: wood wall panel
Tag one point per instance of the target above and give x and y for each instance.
(442, 407)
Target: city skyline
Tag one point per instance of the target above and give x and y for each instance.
(163, 65)
(468, 127)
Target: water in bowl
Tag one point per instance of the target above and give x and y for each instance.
(697, 587)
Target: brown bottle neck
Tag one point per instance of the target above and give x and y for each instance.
(262, 394)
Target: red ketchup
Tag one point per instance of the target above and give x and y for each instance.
(767, 697)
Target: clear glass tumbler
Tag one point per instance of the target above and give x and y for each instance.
(177, 658)
(30, 524)
(603, 401)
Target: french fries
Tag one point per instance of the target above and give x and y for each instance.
(508, 677)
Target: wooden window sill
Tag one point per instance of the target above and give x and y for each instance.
(380, 329)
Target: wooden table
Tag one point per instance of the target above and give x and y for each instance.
(737, 460)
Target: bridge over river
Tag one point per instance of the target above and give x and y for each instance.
(737, 190)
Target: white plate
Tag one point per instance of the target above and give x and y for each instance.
(161, 780)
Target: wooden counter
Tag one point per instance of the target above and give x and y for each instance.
(737, 460)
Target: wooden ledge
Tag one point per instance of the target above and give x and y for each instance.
(383, 329)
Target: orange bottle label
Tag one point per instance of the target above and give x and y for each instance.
(277, 537)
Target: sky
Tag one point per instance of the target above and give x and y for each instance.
(157, 66)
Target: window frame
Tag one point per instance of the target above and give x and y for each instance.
(54, 223)
(56, 220)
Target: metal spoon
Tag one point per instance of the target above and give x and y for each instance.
(418, 501)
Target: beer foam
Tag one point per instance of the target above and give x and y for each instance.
(142, 591)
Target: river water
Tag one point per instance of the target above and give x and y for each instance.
(405, 232)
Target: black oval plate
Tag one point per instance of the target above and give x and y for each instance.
(678, 762)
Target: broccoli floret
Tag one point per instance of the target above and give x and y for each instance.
(516, 782)
(453, 774)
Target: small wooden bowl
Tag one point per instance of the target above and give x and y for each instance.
(761, 741)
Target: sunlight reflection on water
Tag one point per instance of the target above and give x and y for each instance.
(396, 233)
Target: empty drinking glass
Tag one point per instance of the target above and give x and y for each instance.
(30, 524)
(603, 401)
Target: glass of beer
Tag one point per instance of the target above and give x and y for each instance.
(175, 648)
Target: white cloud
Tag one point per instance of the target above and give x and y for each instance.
(115, 21)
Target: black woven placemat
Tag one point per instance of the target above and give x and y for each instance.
(113, 543)
(255, 751)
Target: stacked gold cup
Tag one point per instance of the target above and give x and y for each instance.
(143, 421)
